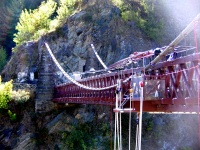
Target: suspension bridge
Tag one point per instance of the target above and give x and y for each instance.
(161, 80)
(169, 76)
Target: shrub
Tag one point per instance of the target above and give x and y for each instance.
(64, 10)
(13, 116)
(20, 96)
(79, 138)
(5, 94)
(34, 23)
(144, 15)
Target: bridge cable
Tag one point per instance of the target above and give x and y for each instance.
(116, 136)
(130, 109)
(70, 78)
(118, 126)
(131, 96)
(111, 126)
(120, 114)
(136, 139)
(139, 118)
(99, 58)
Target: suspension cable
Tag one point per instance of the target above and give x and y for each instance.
(131, 96)
(118, 126)
(137, 129)
(70, 78)
(111, 127)
(115, 134)
(99, 58)
(140, 117)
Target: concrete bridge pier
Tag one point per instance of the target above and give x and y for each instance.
(45, 85)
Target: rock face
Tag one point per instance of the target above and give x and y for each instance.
(26, 142)
(24, 61)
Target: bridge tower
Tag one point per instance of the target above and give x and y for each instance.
(45, 85)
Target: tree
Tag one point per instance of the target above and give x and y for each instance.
(33, 23)
(5, 94)
(64, 10)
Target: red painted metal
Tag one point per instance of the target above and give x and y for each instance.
(180, 95)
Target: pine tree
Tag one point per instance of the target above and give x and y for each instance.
(64, 10)
(33, 23)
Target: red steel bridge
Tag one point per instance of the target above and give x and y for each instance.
(169, 76)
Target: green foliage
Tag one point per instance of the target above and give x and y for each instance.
(117, 3)
(65, 9)
(34, 23)
(147, 122)
(20, 96)
(2, 58)
(13, 116)
(143, 14)
(105, 129)
(150, 126)
(78, 138)
(5, 94)
(186, 148)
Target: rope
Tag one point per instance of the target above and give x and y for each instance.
(198, 105)
(72, 80)
(120, 129)
(111, 127)
(115, 135)
(98, 57)
(139, 121)
(130, 123)
(131, 96)
(118, 139)
(118, 125)
(140, 118)
(120, 120)
(136, 139)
